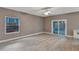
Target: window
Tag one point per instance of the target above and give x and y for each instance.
(12, 24)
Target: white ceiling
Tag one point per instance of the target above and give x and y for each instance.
(38, 11)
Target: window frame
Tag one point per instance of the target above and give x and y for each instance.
(6, 25)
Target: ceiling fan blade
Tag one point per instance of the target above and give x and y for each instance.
(46, 8)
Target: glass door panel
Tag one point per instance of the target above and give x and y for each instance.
(61, 27)
(55, 27)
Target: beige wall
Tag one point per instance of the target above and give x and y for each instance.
(33, 24)
(72, 22)
(29, 23)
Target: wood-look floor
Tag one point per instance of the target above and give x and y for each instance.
(42, 42)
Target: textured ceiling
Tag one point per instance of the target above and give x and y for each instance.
(39, 11)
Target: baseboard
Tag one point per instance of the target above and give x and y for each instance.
(28, 36)
(69, 36)
(55, 34)
(20, 37)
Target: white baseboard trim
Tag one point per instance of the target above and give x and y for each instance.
(20, 37)
(28, 36)
(69, 36)
(55, 34)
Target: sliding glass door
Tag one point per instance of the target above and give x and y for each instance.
(59, 27)
(62, 27)
(55, 27)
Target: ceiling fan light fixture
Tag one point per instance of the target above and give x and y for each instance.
(47, 12)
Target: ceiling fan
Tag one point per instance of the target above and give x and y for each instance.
(46, 10)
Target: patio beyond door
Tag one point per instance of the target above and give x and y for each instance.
(59, 27)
